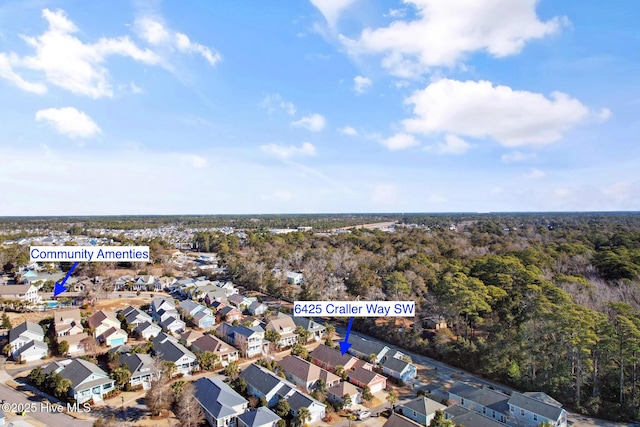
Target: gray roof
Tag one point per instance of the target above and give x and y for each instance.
(456, 410)
(397, 420)
(216, 397)
(79, 370)
(123, 348)
(258, 417)
(137, 363)
(260, 378)
(362, 375)
(300, 400)
(475, 419)
(170, 320)
(32, 344)
(170, 350)
(365, 346)
(146, 325)
(397, 365)
(52, 367)
(424, 405)
(536, 406)
(331, 356)
(308, 324)
(188, 305)
(23, 327)
(483, 396)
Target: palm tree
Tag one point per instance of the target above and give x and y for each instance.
(392, 398)
(302, 417)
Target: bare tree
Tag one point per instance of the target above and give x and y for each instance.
(159, 397)
(188, 409)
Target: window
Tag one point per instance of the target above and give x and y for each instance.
(484, 410)
(415, 414)
(462, 401)
(522, 412)
(535, 417)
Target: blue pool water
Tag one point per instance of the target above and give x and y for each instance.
(52, 304)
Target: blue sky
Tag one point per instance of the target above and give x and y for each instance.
(205, 107)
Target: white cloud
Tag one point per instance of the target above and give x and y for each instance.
(273, 101)
(313, 122)
(197, 162)
(6, 72)
(287, 151)
(135, 88)
(535, 174)
(400, 141)
(361, 84)
(348, 130)
(69, 121)
(156, 33)
(452, 145)
(331, 9)
(446, 31)
(76, 66)
(385, 194)
(516, 156)
(480, 110)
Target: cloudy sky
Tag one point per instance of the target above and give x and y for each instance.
(206, 107)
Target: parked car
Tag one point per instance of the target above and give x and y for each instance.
(363, 415)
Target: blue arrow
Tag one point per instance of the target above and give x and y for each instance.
(60, 288)
(344, 345)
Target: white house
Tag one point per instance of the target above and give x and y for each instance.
(27, 293)
(27, 342)
(531, 409)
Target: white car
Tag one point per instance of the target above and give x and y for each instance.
(363, 415)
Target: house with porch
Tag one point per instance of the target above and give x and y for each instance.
(533, 408)
(316, 329)
(337, 392)
(27, 342)
(167, 348)
(142, 367)
(365, 349)
(286, 328)
(490, 403)
(221, 404)
(399, 369)
(305, 374)
(67, 322)
(88, 381)
(224, 351)
(27, 293)
(422, 409)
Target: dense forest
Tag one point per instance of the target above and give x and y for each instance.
(539, 302)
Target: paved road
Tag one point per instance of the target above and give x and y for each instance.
(10, 395)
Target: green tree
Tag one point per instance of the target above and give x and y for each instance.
(346, 401)
(302, 417)
(392, 398)
(282, 409)
(231, 370)
(63, 348)
(36, 376)
(303, 334)
(439, 420)
(208, 360)
(272, 336)
(367, 396)
(6, 323)
(121, 376)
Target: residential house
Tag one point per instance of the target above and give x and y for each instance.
(172, 324)
(259, 417)
(88, 381)
(337, 392)
(365, 349)
(167, 348)
(213, 294)
(67, 322)
(330, 358)
(533, 408)
(257, 308)
(224, 351)
(113, 337)
(305, 374)
(299, 400)
(187, 338)
(364, 377)
(142, 367)
(200, 315)
(399, 369)
(163, 306)
(134, 316)
(397, 420)
(27, 342)
(262, 383)
(421, 410)
(316, 329)
(285, 327)
(240, 302)
(294, 278)
(485, 401)
(228, 314)
(249, 340)
(102, 322)
(144, 283)
(76, 342)
(147, 330)
(220, 403)
(123, 283)
(28, 293)
(163, 283)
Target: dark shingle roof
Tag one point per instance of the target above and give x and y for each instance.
(365, 346)
(397, 420)
(483, 396)
(536, 406)
(300, 400)
(331, 356)
(397, 365)
(216, 397)
(24, 327)
(137, 363)
(260, 378)
(170, 350)
(79, 370)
